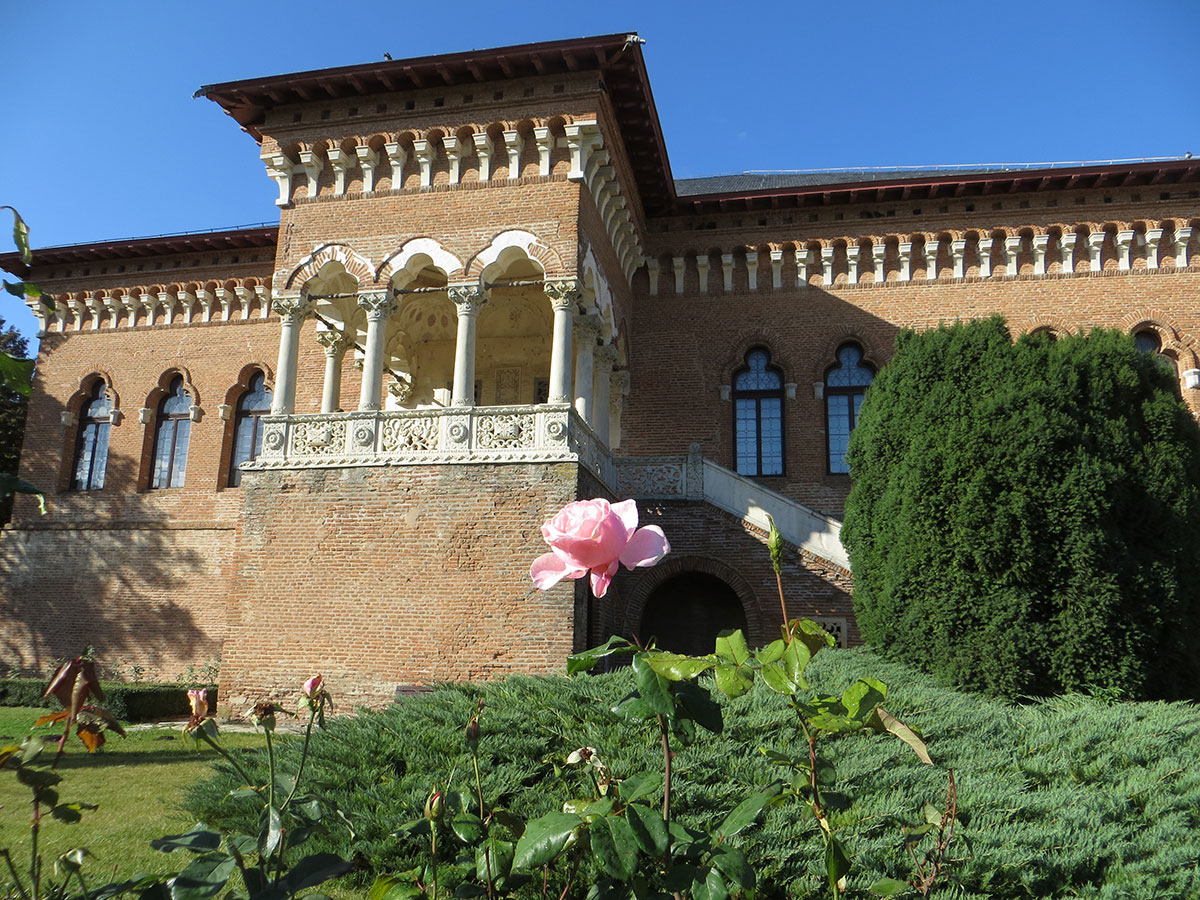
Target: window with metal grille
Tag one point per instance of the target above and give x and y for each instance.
(91, 446)
(758, 416)
(172, 432)
(248, 431)
(845, 386)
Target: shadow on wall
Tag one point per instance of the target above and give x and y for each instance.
(105, 568)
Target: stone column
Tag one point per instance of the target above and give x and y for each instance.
(606, 358)
(378, 305)
(620, 389)
(564, 295)
(587, 330)
(468, 299)
(335, 344)
(292, 313)
(752, 269)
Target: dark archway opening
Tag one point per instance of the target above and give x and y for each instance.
(685, 613)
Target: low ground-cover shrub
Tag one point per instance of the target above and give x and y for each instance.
(1064, 798)
(129, 702)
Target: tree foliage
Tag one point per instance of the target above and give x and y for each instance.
(1025, 518)
(14, 403)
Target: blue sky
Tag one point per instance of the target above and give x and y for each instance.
(102, 139)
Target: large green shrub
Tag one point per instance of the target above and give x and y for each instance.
(1025, 518)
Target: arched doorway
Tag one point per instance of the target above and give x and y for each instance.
(685, 613)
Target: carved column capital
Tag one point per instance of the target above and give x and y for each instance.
(378, 304)
(587, 329)
(563, 292)
(291, 309)
(468, 299)
(335, 342)
(606, 356)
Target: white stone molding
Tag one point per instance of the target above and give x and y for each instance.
(702, 271)
(985, 257)
(752, 269)
(264, 301)
(397, 158)
(604, 189)
(368, 159)
(77, 308)
(586, 333)
(514, 237)
(1012, 250)
(802, 256)
(904, 248)
(1153, 236)
(292, 311)
(727, 272)
(335, 343)
(112, 305)
(116, 416)
(879, 258)
(468, 300)
(789, 390)
(582, 138)
(187, 302)
(776, 269)
(620, 384)
(1095, 250)
(725, 392)
(312, 164)
(225, 298)
(484, 150)
(132, 307)
(341, 161)
(280, 168)
(958, 255)
(1125, 250)
(426, 154)
(95, 307)
(150, 305)
(1041, 243)
(617, 212)
(853, 251)
(456, 150)
(827, 254)
(245, 297)
(606, 358)
(42, 311)
(652, 271)
(564, 297)
(225, 412)
(818, 390)
(1191, 379)
(195, 413)
(515, 145)
(931, 256)
(205, 299)
(1066, 251)
(378, 305)
(167, 303)
(145, 415)
(545, 143)
(1182, 237)
(679, 265)
(441, 257)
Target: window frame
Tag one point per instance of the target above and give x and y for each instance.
(241, 415)
(848, 391)
(103, 427)
(175, 389)
(758, 395)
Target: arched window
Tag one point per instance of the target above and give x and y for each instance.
(248, 432)
(91, 447)
(845, 385)
(1149, 341)
(174, 428)
(758, 416)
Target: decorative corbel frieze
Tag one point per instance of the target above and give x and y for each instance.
(484, 149)
(904, 248)
(206, 300)
(42, 311)
(545, 143)
(187, 302)
(931, 257)
(95, 306)
(1096, 250)
(1012, 265)
(1041, 243)
(225, 298)
(1066, 251)
(455, 151)
(879, 258)
(515, 145)
(776, 269)
(245, 297)
(426, 154)
(653, 272)
(802, 256)
(582, 137)
(727, 272)
(827, 254)
(397, 158)
(167, 303)
(852, 253)
(1125, 250)
(368, 159)
(279, 169)
(150, 305)
(115, 308)
(702, 271)
(1182, 237)
(985, 257)
(264, 300)
(1153, 236)
(312, 163)
(132, 309)
(679, 266)
(341, 161)
(752, 269)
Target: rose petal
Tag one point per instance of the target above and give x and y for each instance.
(548, 570)
(627, 512)
(601, 578)
(647, 546)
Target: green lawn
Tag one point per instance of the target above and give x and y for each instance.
(137, 781)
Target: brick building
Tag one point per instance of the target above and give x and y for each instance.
(329, 445)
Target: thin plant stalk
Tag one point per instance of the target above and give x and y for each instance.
(312, 716)
(20, 886)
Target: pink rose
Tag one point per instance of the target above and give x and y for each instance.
(312, 687)
(592, 536)
(198, 698)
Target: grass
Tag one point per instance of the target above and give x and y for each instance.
(137, 781)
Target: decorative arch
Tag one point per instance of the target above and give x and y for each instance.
(164, 385)
(354, 263)
(87, 384)
(1051, 325)
(747, 340)
(427, 246)
(525, 241)
(829, 349)
(648, 580)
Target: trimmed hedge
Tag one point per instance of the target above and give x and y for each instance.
(1025, 517)
(128, 701)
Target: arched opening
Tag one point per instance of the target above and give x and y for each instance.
(686, 612)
